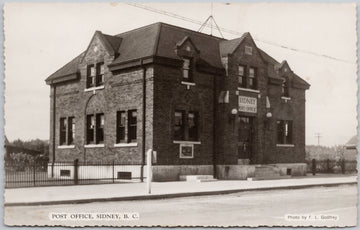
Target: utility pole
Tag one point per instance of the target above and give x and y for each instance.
(318, 136)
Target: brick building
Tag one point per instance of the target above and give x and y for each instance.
(206, 105)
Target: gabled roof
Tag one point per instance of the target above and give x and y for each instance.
(138, 43)
(161, 40)
(70, 68)
(183, 41)
(229, 46)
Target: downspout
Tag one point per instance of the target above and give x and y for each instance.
(143, 122)
(53, 131)
(214, 127)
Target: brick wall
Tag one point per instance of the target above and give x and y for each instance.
(171, 95)
(123, 91)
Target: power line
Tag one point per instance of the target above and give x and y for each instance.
(233, 32)
(318, 136)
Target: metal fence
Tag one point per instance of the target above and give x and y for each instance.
(331, 166)
(42, 173)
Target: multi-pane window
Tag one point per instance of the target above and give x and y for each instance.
(132, 125)
(252, 78)
(241, 76)
(100, 122)
(285, 88)
(63, 131)
(100, 74)
(90, 128)
(193, 126)
(186, 129)
(284, 132)
(131, 135)
(120, 124)
(71, 130)
(90, 79)
(179, 127)
(67, 130)
(247, 77)
(187, 73)
(95, 128)
(95, 75)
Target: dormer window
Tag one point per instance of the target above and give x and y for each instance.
(285, 88)
(95, 75)
(187, 72)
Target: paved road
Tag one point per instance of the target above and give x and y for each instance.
(238, 209)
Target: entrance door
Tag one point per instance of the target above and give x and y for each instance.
(245, 137)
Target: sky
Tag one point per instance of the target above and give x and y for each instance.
(42, 37)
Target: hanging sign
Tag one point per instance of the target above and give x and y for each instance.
(247, 104)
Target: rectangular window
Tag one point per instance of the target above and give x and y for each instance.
(90, 129)
(187, 75)
(179, 127)
(71, 130)
(63, 126)
(284, 132)
(120, 124)
(241, 76)
(100, 74)
(248, 50)
(252, 78)
(132, 126)
(285, 88)
(193, 126)
(100, 121)
(90, 78)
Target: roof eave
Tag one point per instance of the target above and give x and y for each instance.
(64, 78)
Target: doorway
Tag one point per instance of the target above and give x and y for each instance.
(245, 137)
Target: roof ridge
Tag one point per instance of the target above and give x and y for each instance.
(139, 28)
(193, 31)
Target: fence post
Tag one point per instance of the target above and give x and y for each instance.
(113, 171)
(313, 167)
(149, 170)
(34, 173)
(76, 166)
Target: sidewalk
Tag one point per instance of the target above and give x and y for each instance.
(137, 191)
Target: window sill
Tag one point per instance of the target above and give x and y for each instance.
(183, 157)
(94, 146)
(249, 90)
(134, 144)
(94, 88)
(188, 142)
(286, 98)
(285, 145)
(66, 146)
(188, 83)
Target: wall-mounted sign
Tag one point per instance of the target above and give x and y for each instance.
(186, 151)
(247, 104)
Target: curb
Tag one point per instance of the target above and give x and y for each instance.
(174, 195)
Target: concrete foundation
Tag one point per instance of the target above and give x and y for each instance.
(171, 172)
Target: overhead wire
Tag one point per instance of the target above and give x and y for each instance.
(233, 32)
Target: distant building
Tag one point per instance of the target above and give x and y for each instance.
(350, 153)
(204, 104)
